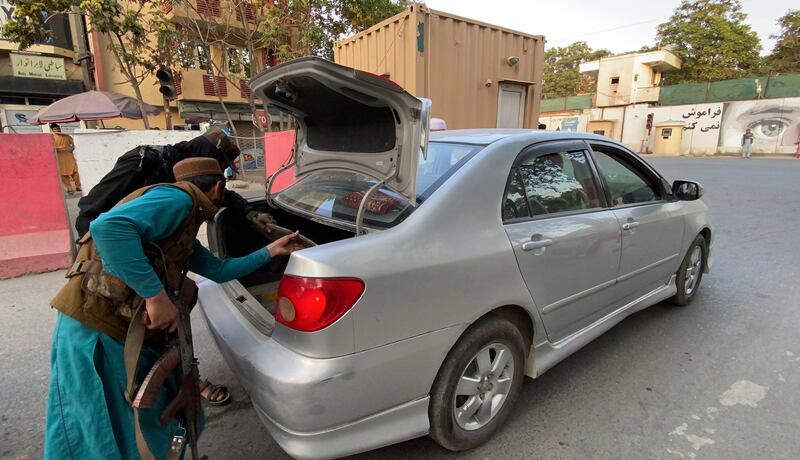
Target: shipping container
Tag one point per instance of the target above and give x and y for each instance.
(477, 75)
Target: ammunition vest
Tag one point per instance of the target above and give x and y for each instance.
(102, 301)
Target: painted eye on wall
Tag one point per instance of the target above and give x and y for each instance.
(769, 128)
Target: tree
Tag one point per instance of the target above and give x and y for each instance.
(132, 29)
(363, 14)
(295, 28)
(562, 75)
(785, 57)
(712, 40)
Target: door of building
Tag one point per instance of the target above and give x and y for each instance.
(511, 106)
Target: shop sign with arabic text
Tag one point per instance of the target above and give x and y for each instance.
(30, 66)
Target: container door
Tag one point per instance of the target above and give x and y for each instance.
(511, 106)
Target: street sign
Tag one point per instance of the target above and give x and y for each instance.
(261, 117)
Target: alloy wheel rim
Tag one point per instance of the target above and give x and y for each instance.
(483, 387)
(693, 270)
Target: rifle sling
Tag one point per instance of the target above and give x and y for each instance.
(133, 348)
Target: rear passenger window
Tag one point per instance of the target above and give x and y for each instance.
(626, 185)
(559, 182)
(516, 204)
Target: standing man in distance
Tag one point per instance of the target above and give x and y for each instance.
(747, 144)
(67, 167)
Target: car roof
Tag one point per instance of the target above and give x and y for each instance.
(486, 136)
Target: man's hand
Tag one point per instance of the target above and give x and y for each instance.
(160, 313)
(285, 245)
(261, 221)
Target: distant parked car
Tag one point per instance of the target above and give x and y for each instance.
(445, 270)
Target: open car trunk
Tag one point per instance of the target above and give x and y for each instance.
(232, 236)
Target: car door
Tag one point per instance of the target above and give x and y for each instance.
(652, 226)
(565, 239)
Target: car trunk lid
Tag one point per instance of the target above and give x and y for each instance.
(349, 120)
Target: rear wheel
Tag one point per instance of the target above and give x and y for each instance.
(690, 273)
(477, 385)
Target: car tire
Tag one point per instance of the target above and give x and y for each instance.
(494, 338)
(690, 273)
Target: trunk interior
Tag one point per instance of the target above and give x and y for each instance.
(232, 236)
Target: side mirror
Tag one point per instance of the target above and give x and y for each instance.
(685, 190)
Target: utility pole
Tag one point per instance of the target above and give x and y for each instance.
(83, 54)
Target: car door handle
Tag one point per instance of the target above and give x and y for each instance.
(536, 244)
(630, 225)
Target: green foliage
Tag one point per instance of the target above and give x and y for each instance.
(139, 37)
(363, 14)
(712, 40)
(139, 45)
(562, 76)
(785, 57)
(295, 28)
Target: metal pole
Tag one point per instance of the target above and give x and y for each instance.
(80, 48)
(167, 113)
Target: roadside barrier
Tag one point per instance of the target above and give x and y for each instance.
(35, 233)
(278, 148)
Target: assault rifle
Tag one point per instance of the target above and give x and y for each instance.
(187, 401)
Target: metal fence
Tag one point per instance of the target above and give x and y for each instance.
(566, 103)
(740, 89)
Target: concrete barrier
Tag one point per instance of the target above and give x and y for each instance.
(96, 150)
(35, 234)
(278, 151)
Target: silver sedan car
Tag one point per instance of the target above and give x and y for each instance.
(447, 267)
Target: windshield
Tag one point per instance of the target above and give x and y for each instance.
(337, 194)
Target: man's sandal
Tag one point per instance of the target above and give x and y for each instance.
(215, 395)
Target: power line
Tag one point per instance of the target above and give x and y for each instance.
(625, 26)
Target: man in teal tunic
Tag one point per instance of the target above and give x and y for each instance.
(88, 416)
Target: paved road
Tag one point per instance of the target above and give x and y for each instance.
(716, 380)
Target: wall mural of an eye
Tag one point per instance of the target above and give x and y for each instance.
(773, 122)
(770, 129)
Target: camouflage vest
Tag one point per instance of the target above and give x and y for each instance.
(103, 302)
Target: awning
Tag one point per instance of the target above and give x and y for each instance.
(22, 86)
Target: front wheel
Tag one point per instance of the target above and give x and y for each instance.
(690, 273)
(477, 385)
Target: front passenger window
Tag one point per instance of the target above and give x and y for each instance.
(625, 184)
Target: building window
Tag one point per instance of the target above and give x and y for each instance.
(193, 55)
(614, 80)
(215, 86)
(249, 12)
(238, 61)
(270, 58)
(636, 77)
(208, 7)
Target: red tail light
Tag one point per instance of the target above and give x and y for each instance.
(311, 304)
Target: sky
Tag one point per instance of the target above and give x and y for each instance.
(617, 25)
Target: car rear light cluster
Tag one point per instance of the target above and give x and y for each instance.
(311, 304)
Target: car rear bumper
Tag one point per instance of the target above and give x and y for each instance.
(326, 408)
